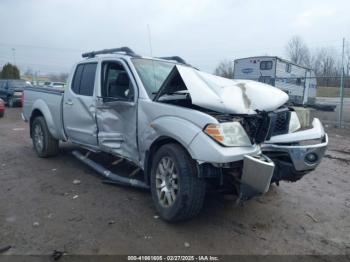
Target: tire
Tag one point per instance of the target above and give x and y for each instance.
(44, 143)
(2, 114)
(173, 161)
(11, 103)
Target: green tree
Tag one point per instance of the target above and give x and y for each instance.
(10, 71)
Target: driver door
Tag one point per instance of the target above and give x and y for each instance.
(116, 111)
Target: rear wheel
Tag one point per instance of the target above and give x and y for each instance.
(2, 114)
(11, 102)
(44, 143)
(177, 191)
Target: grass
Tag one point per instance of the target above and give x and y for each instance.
(324, 91)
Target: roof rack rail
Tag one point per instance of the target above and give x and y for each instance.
(124, 49)
(174, 58)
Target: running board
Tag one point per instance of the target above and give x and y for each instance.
(112, 177)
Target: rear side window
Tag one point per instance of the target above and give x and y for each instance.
(17, 83)
(88, 80)
(84, 79)
(77, 78)
(265, 65)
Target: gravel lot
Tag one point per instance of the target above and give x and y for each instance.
(39, 213)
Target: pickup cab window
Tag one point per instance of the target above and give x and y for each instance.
(84, 79)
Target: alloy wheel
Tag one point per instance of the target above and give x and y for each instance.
(167, 184)
(38, 138)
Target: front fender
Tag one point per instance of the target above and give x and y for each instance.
(200, 147)
(205, 149)
(179, 129)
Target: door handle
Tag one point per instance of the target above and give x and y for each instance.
(69, 102)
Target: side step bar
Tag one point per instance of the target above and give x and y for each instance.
(112, 177)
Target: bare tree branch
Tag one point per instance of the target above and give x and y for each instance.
(298, 52)
(224, 69)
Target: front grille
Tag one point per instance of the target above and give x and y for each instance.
(262, 126)
(257, 127)
(280, 122)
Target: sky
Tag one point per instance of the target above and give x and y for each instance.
(48, 36)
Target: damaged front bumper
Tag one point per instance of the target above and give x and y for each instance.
(285, 157)
(255, 183)
(303, 157)
(297, 153)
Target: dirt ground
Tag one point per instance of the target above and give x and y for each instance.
(39, 212)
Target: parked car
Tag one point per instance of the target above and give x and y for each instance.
(58, 84)
(185, 129)
(2, 108)
(11, 91)
(55, 84)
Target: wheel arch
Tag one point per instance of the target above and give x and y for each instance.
(158, 143)
(36, 113)
(40, 108)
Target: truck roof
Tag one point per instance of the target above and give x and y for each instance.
(128, 52)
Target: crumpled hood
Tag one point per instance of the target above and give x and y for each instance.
(230, 96)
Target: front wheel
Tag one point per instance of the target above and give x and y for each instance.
(177, 191)
(44, 143)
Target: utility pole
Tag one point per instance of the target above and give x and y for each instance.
(14, 55)
(341, 87)
(36, 77)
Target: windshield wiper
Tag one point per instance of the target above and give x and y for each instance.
(180, 92)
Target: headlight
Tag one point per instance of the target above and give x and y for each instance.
(228, 134)
(294, 123)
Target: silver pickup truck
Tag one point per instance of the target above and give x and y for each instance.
(185, 130)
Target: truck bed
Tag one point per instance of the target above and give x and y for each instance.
(48, 102)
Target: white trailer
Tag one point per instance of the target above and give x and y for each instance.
(298, 81)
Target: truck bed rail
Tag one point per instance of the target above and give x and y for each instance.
(48, 90)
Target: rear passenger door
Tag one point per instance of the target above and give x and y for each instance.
(79, 106)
